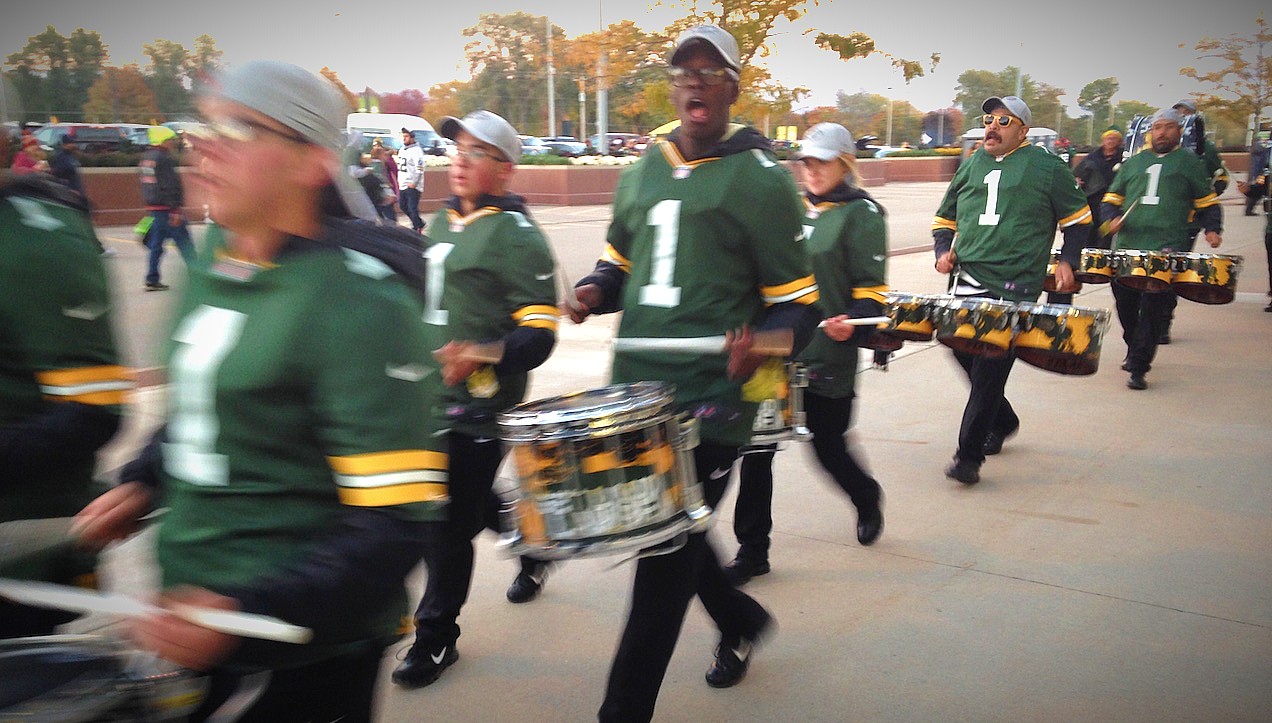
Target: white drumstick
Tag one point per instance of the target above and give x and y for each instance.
(74, 599)
(858, 321)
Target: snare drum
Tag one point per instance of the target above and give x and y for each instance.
(1060, 338)
(1049, 283)
(1149, 271)
(90, 678)
(781, 414)
(1206, 278)
(979, 326)
(910, 316)
(600, 472)
(1098, 266)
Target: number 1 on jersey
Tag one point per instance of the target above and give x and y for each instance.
(1150, 194)
(991, 217)
(665, 218)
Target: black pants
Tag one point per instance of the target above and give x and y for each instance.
(987, 407)
(409, 200)
(661, 592)
(1255, 196)
(1143, 316)
(828, 419)
(338, 689)
(449, 555)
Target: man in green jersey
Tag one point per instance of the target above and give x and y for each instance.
(705, 240)
(61, 385)
(1169, 185)
(298, 462)
(1004, 204)
(492, 280)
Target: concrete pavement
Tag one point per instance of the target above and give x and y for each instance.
(1115, 563)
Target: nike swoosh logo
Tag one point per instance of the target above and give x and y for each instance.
(722, 472)
(543, 277)
(407, 372)
(87, 312)
(742, 654)
(879, 257)
(437, 659)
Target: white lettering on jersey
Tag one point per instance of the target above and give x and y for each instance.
(665, 218)
(204, 339)
(435, 265)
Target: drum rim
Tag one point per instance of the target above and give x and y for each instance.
(649, 403)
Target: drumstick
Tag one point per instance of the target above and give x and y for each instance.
(74, 599)
(1104, 227)
(777, 342)
(858, 321)
(490, 352)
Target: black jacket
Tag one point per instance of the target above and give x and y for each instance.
(160, 185)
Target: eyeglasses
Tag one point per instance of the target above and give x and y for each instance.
(479, 154)
(681, 77)
(241, 130)
(1003, 120)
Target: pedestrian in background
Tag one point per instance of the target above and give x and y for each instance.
(164, 196)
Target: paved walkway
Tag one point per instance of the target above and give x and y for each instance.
(1115, 563)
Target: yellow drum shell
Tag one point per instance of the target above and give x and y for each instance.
(1149, 271)
(1059, 338)
(1206, 278)
(910, 316)
(1097, 266)
(981, 327)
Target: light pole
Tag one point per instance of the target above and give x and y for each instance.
(888, 142)
(552, 127)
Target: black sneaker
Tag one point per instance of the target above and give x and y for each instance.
(424, 664)
(527, 585)
(1137, 382)
(156, 286)
(870, 525)
(733, 656)
(740, 570)
(964, 471)
(994, 440)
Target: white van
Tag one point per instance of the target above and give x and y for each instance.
(1037, 135)
(388, 128)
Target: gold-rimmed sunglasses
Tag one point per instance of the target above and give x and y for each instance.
(988, 120)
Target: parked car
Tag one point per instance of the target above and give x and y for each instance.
(531, 146)
(89, 137)
(567, 148)
(620, 144)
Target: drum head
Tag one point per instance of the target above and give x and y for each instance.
(60, 678)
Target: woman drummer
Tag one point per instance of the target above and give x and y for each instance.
(845, 234)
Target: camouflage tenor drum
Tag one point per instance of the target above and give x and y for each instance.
(1206, 278)
(1060, 338)
(983, 327)
(1098, 266)
(780, 417)
(1149, 271)
(600, 472)
(911, 316)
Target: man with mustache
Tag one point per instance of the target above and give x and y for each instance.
(705, 244)
(1170, 183)
(1004, 204)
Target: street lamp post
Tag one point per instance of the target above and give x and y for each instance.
(889, 141)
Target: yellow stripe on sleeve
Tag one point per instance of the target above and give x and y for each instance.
(376, 463)
(1205, 201)
(401, 494)
(800, 291)
(538, 316)
(874, 293)
(1076, 218)
(611, 255)
(1113, 198)
(939, 223)
(97, 385)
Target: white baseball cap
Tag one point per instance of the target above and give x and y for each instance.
(717, 37)
(826, 142)
(486, 127)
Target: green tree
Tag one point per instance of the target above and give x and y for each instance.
(859, 45)
(169, 62)
(121, 95)
(858, 113)
(205, 63)
(52, 73)
(1096, 98)
(1126, 110)
(1243, 82)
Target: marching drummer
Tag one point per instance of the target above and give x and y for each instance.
(704, 242)
(1166, 185)
(848, 247)
(498, 286)
(1004, 204)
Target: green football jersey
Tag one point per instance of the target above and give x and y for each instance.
(1166, 190)
(1005, 211)
(706, 245)
(489, 273)
(56, 341)
(295, 389)
(848, 248)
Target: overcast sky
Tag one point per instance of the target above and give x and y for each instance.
(392, 46)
